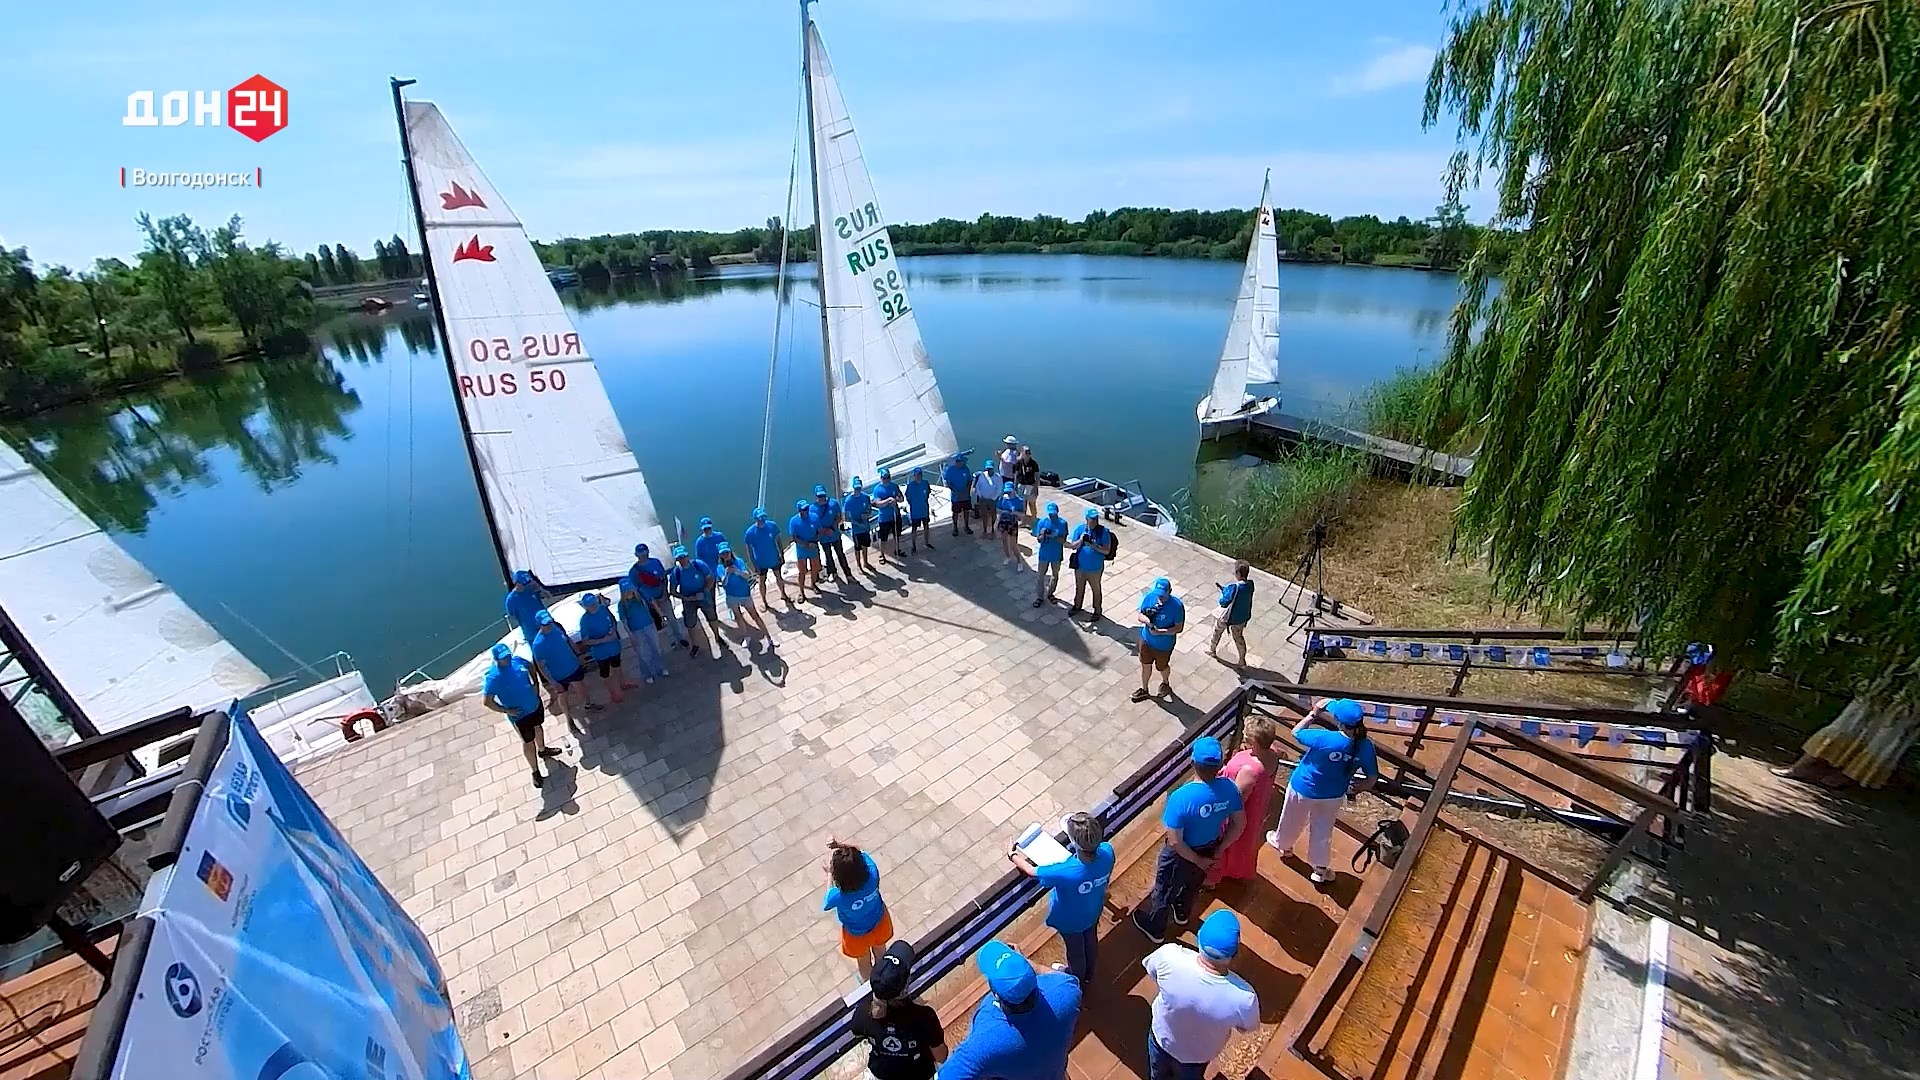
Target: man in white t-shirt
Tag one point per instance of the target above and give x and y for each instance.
(1200, 1003)
(1009, 453)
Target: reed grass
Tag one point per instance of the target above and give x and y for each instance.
(1273, 512)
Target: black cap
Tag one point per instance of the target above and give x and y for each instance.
(890, 975)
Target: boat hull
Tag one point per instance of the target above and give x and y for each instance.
(1117, 501)
(1212, 427)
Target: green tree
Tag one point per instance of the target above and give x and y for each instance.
(257, 286)
(383, 261)
(329, 269)
(348, 264)
(1701, 376)
(1448, 247)
(403, 261)
(167, 265)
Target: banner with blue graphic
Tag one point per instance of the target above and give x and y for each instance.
(276, 954)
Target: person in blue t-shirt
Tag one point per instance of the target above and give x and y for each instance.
(706, 545)
(1202, 817)
(1162, 618)
(919, 495)
(854, 896)
(887, 498)
(763, 552)
(600, 636)
(806, 547)
(958, 477)
(736, 583)
(859, 507)
(1079, 891)
(1050, 547)
(508, 689)
(693, 582)
(1024, 1028)
(1092, 542)
(1324, 779)
(557, 661)
(650, 580)
(1236, 611)
(1007, 511)
(827, 522)
(525, 600)
(637, 617)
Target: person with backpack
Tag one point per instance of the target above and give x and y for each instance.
(650, 580)
(1324, 779)
(1093, 543)
(1236, 611)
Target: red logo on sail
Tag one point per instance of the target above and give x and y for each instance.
(473, 249)
(459, 198)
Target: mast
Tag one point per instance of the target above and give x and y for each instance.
(440, 324)
(819, 252)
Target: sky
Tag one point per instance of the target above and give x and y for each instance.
(594, 118)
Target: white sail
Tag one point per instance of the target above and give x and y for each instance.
(121, 643)
(566, 497)
(1252, 350)
(887, 408)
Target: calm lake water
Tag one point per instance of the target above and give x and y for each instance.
(305, 507)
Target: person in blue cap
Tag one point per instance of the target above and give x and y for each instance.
(806, 547)
(959, 481)
(600, 636)
(525, 600)
(828, 520)
(1093, 543)
(763, 552)
(1050, 547)
(1023, 1030)
(859, 507)
(508, 689)
(887, 498)
(1199, 1002)
(1202, 816)
(736, 583)
(1324, 778)
(637, 617)
(693, 582)
(1007, 511)
(1162, 617)
(706, 545)
(919, 496)
(1077, 888)
(559, 664)
(649, 577)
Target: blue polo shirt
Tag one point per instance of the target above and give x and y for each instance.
(763, 543)
(1093, 556)
(739, 584)
(1172, 613)
(802, 529)
(1326, 768)
(887, 489)
(1052, 534)
(1010, 507)
(1237, 598)
(1030, 1045)
(636, 617)
(1079, 888)
(555, 653)
(706, 547)
(512, 687)
(691, 579)
(826, 519)
(647, 569)
(959, 481)
(861, 909)
(859, 506)
(919, 499)
(1200, 810)
(522, 606)
(598, 622)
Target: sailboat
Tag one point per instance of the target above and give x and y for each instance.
(561, 491)
(883, 404)
(1251, 354)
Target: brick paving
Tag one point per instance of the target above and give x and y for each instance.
(654, 911)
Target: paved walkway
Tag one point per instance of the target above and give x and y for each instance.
(654, 911)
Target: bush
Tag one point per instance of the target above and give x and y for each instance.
(1278, 505)
(288, 342)
(197, 356)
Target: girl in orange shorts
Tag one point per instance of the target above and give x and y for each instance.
(865, 926)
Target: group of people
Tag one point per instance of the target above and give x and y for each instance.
(1024, 1028)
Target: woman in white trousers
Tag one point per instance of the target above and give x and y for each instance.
(1324, 778)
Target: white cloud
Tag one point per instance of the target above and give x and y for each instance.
(1397, 65)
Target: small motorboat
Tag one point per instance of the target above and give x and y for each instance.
(1118, 501)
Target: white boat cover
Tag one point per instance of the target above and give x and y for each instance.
(567, 498)
(117, 639)
(887, 408)
(306, 721)
(1251, 354)
(413, 699)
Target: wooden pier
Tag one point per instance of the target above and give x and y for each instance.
(1396, 455)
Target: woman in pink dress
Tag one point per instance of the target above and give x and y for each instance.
(1252, 770)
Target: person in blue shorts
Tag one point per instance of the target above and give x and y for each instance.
(919, 508)
(827, 522)
(1078, 893)
(637, 617)
(525, 600)
(559, 664)
(1050, 547)
(1024, 1028)
(693, 582)
(887, 498)
(1202, 817)
(1093, 543)
(1162, 617)
(859, 508)
(959, 481)
(600, 636)
(706, 546)
(1007, 511)
(763, 553)
(649, 577)
(736, 584)
(806, 547)
(508, 689)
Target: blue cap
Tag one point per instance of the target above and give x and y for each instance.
(1008, 973)
(885, 472)
(917, 471)
(1006, 486)
(1091, 514)
(856, 483)
(1206, 751)
(724, 548)
(679, 551)
(960, 457)
(639, 549)
(819, 490)
(706, 523)
(1161, 584)
(523, 577)
(543, 617)
(1219, 935)
(799, 504)
(1346, 710)
(591, 600)
(501, 651)
(759, 513)
(1053, 508)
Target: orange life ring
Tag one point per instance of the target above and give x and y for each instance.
(373, 716)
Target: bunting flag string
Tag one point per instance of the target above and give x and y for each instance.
(1406, 718)
(1575, 657)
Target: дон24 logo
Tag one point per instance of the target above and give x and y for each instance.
(255, 108)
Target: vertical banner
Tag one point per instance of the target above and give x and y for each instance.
(275, 953)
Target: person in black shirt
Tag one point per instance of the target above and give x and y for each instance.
(904, 1037)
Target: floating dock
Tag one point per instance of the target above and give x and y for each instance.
(1414, 460)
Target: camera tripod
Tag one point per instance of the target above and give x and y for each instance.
(1312, 565)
